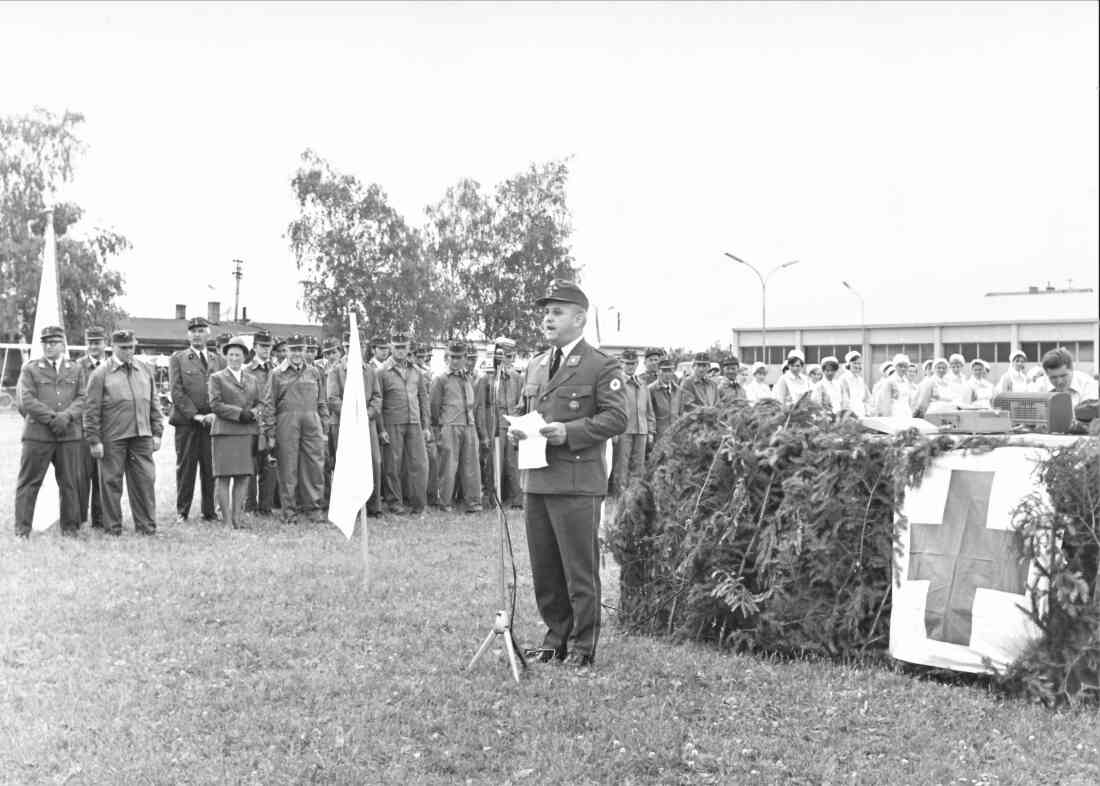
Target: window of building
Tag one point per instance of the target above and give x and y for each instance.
(918, 353)
(815, 352)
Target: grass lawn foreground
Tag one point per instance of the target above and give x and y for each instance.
(207, 656)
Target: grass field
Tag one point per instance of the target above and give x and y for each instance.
(206, 656)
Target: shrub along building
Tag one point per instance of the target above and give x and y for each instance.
(1035, 320)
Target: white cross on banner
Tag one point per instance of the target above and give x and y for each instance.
(961, 593)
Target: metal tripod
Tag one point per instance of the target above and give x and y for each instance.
(502, 623)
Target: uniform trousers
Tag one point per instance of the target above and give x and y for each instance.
(406, 461)
(459, 462)
(628, 460)
(563, 542)
(89, 487)
(67, 467)
(374, 504)
(434, 471)
(193, 452)
(300, 447)
(132, 459)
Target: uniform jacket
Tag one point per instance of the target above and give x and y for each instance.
(122, 404)
(45, 394)
(666, 404)
(293, 390)
(639, 414)
(496, 395)
(89, 365)
(337, 378)
(404, 394)
(586, 395)
(229, 398)
(189, 380)
(697, 393)
(261, 371)
(452, 400)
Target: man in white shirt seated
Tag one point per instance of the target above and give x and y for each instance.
(1060, 377)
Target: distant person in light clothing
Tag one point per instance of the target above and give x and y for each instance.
(852, 386)
(1015, 379)
(981, 389)
(792, 384)
(757, 389)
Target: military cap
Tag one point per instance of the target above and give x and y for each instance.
(379, 341)
(277, 341)
(456, 349)
(654, 352)
(123, 337)
(667, 364)
(830, 360)
(471, 351)
(563, 292)
(424, 349)
(195, 323)
(501, 342)
(51, 331)
(732, 360)
(236, 341)
(400, 338)
(628, 354)
(296, 340)
(262, 338)
(331, 344)
(311, 340)
(701, 357)
(95, 333)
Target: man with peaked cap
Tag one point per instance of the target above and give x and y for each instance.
(729, 385)
(278, 350)
(405, 415)
(123, 424)
(652, 370)
(420, 355)
(189, 372)
(295, 414)
(471, 360)
(372, 392)
(51, 393)
(665, 399)
(331, 353)
(95, 338)
(630, 447)
(451, 403)
(380, 349)
(263, 491)
(311, 349)
(578, 390)
(700, 389)
(496, 395)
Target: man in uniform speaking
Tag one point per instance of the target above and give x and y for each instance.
(579, 392)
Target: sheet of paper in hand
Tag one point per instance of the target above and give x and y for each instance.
(530, 451)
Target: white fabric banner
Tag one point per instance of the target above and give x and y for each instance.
(960, 592)
(353, 478)
(47, 310)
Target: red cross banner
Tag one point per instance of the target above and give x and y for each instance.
(960, 587)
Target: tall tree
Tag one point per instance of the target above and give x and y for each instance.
(354, 247)
(37, 155)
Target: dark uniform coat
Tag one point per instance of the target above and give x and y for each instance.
(189, 378)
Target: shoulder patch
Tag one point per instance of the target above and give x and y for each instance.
(616, 383)
(573, 360)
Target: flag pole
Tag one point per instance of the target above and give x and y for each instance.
(365, 546)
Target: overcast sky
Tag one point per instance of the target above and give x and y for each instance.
(925, 152)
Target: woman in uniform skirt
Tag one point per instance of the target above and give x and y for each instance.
(235, 400)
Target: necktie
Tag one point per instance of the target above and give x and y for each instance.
(202, 357)
(555, 361)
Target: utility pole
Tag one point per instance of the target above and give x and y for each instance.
(237, 290)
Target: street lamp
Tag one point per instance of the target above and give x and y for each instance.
(862, 318)
(763, 296)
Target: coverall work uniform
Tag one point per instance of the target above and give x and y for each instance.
(405, 417)
(294, 414)
(452, 415)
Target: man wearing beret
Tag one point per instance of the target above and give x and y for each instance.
(51, 398)
(189, 372)
(630, 446)
(123, 423)
(263, 490)
(295, 414)
(578, 390)
(699, 390)
(405, 415)
(95, 339)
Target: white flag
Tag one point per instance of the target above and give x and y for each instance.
(47, 509)
(961, 592)
(48, 309)
(353, 478)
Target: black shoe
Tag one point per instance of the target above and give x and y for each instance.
(576, 660)
(181, 518)
(546, 654)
